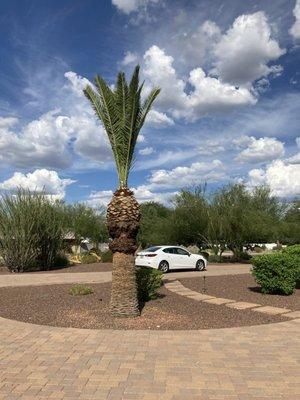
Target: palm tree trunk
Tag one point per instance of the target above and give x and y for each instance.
(123, 215)
(123, 288)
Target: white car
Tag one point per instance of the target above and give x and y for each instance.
(166, 258)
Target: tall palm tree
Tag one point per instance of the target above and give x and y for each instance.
(122, 113)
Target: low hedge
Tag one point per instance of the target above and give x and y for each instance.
(277, 272)
(149, 280)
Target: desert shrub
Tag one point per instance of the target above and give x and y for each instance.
(205, 254)
(106, 256)
(277, 272)
(80, 290)
(31, 231)
(61, 260)
(149, 280)
(243, 256)
(88, 258)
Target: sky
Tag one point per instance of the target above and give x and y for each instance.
(229, 108)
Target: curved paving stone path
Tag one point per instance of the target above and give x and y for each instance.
(257, 362)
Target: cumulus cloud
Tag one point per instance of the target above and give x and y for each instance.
(295, 29)
(282, 178)
(158, 119)
(260, 150)
(39, 180)
(209, 95)
(129, 58)
(245, 50)
(42, 142)
(49, 140)
(179, 177)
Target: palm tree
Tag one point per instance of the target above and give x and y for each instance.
(122, 113)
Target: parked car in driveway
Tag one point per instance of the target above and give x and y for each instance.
(168, 258)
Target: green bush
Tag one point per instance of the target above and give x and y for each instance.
(277, 272)
(149, 280)
(205, 254)
(60, 260)
(292, 250)
(80, 290)
(88, 258)
(107, 256)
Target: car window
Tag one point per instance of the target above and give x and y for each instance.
(182, 252)
(169, 250)
(152, 249)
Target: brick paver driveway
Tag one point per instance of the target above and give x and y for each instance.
(258, 362)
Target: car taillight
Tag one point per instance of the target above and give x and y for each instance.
(151, 255)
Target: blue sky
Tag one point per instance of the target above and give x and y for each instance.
(228, 110)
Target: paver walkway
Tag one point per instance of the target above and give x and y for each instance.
(178, 288)
(257, 362)
(99, 277)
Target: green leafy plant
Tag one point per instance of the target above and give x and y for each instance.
(80, 290)
(148, 282)
(277, 272)
(106, 256)
(292, 250)
(61, 260)
(88, 258)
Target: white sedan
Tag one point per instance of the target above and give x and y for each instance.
(166, 258)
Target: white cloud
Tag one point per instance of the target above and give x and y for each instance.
(39, 180)
(158, 119)
(199, 172)
(129, 6)
(142, 194)
(261, 150)
(48, 141)
(42, 142)
(129, 58)
(209, 95)
(282, 178)
(244, 51)
(295, 29)
(146, 151)
(76, 83)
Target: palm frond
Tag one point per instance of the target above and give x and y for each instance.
(122, 114)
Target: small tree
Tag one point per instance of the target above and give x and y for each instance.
(87, 223)
(155, 224)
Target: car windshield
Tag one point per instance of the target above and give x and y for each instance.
(152, 249)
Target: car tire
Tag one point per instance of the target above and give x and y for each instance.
(200, 265)
(164, 266)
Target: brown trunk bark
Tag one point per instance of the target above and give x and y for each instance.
(123, 302)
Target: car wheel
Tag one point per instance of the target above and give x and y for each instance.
(200, 265)
(163, 266)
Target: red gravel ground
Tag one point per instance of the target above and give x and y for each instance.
(93, 267)
(241, 288)
(53, 305)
